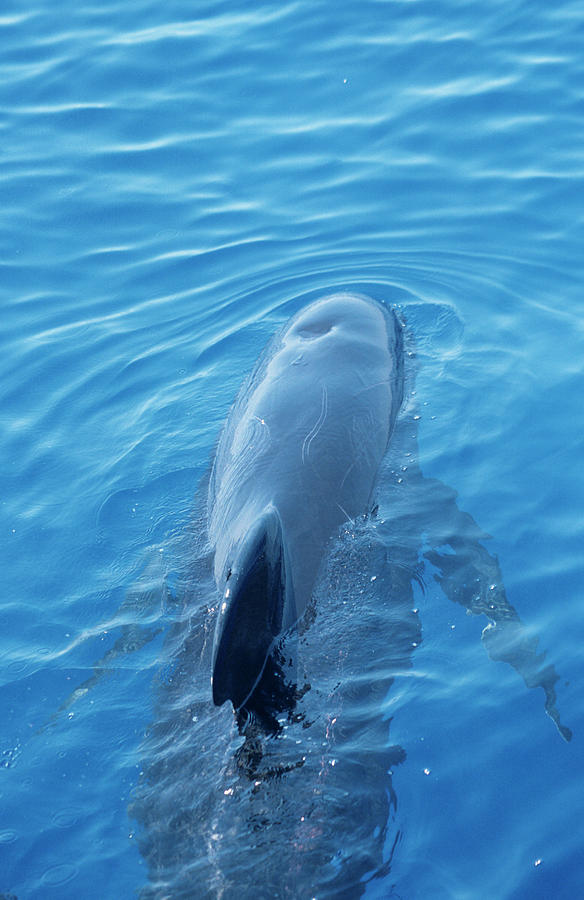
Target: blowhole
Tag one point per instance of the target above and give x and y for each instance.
(313, 330)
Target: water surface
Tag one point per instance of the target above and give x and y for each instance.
(176, 181)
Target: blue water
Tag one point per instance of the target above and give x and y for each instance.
(176, 180)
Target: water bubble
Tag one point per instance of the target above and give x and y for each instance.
(7, 837)
(58, 875)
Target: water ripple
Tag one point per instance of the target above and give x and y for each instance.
(176, 182)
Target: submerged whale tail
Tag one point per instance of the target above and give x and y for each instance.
(251, 612)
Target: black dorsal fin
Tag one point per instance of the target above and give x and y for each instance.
(251, 611)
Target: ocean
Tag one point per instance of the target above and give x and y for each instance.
(177, 180)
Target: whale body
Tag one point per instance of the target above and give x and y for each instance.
(298, 457)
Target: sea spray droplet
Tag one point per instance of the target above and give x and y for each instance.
(9, 756)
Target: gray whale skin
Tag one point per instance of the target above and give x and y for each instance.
(298, 456)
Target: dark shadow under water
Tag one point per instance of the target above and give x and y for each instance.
(294, 799)
(299, 805)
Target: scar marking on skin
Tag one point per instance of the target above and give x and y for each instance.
(317, 426)
(345, 513)
(369, 387)
(352, 466)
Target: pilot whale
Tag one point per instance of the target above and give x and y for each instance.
(298, 456)
(299, 453)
